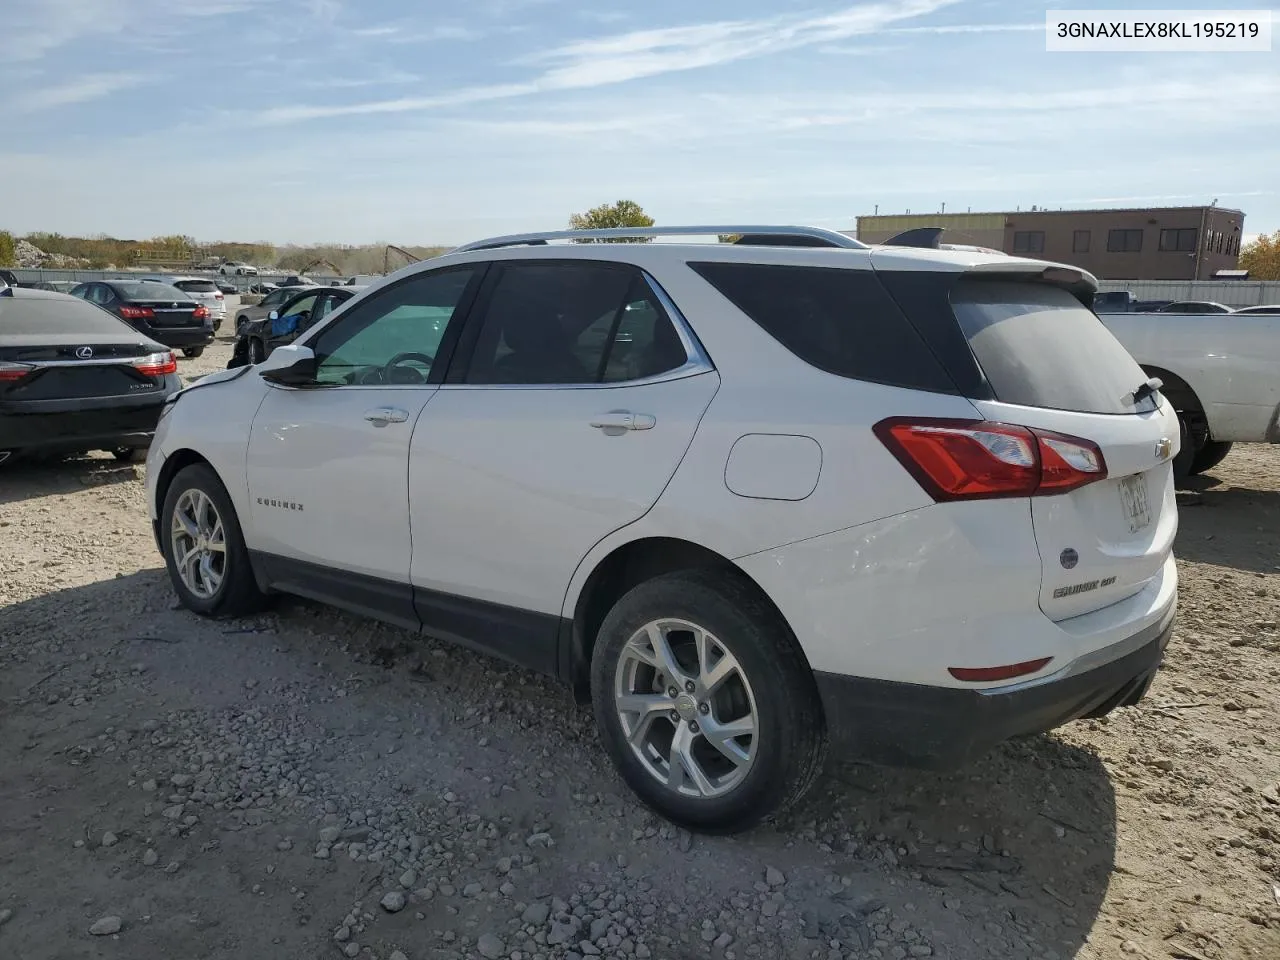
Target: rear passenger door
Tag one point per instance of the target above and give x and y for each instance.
(575, 396)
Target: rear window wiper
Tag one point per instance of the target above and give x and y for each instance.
(1147, 388)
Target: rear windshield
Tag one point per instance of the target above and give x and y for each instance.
(150, 291)
(1040, 347)
(28, 315)
(197, 286)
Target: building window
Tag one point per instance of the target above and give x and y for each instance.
(1221, 237)
(1080, 241)
(1124, 241)
(1028, 241)
(1181, 240)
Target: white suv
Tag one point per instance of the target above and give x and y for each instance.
(747, 497)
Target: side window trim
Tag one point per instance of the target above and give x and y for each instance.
(448, 344)
(697, 360)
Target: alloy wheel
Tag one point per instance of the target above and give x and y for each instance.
(687, 708)
(199, 543)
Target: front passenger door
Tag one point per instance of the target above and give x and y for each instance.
(328, 463)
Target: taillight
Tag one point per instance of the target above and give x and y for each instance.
(981, 459)
(136, 313)
(10, 372)
(217, 296)
(201, 313)
(157, 364)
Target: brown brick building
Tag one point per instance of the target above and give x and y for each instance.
(1161, 243)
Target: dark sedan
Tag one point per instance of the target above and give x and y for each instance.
(75, 378)
(156, 310)
(256, 338)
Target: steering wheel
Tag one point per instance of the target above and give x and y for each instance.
(391, 375)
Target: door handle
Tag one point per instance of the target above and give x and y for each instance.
(624, 420)
(384, 415)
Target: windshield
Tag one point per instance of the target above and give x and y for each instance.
(36, 315)
(1040, 347)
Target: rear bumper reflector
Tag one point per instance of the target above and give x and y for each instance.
(1007, 672)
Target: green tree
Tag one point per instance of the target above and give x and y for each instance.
(624, 213)
(1262, 257)
(6, 249)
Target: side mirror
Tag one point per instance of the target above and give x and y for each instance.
(273, 315)
(290, 365)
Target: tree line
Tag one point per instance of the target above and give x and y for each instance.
(1260, 257)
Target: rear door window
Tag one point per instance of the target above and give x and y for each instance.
(839, 320)
(570, 322)
(1040, 347)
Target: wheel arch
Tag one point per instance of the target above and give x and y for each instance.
(1179, 393)
(626, 566)
(1185, 401)
(176, 461)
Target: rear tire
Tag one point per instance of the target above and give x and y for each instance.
(746, 673)
(128, 454)
(257, 351)
(1187, 450)
(198, 516)
(1210, 455)
(192, 352)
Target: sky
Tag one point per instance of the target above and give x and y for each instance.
(418, 122)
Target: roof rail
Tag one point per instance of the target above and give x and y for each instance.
(755, 232)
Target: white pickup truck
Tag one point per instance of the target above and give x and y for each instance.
(1220, 371)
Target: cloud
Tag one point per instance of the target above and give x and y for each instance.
(93, 86)
(391, 78)
(972, 28)
(34, 28)
(645, 53)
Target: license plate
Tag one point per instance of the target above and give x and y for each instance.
(1133, 497)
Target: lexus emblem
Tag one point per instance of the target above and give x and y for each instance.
(84, 353)
(1163, 446)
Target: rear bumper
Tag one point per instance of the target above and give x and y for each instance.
(913, 725)
(182, 336)
(85, 429)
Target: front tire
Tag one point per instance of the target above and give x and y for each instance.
(705, 703)
(204, 549)
(257, 351)
(128, 454)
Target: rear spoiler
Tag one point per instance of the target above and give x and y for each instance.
(1079, 283)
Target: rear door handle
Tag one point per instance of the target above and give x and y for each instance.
(384, 415)
(624, 420)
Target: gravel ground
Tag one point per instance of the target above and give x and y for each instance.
(308, 784)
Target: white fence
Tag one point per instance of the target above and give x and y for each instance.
(1233, 293)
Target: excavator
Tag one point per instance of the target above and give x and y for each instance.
(386, 257)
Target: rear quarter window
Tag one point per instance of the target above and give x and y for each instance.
(839, 320)
(1040, 347)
